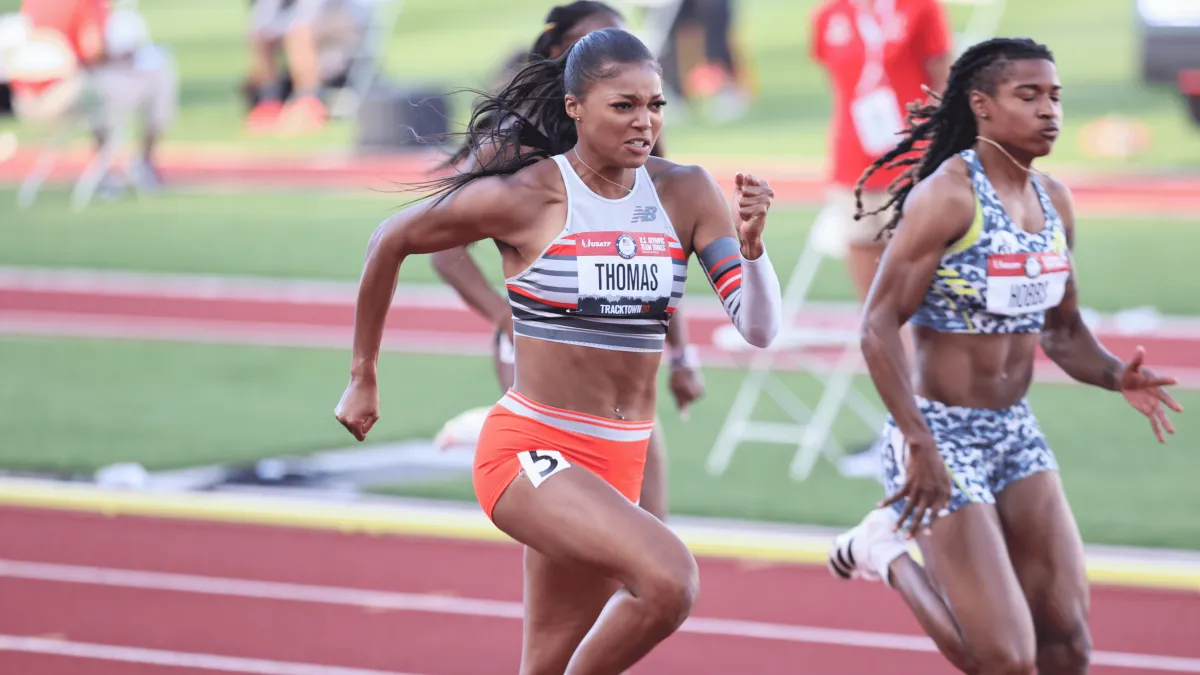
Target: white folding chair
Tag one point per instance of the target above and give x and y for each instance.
(366, 62)
(655, 20)
(982, 24)
(811, 429)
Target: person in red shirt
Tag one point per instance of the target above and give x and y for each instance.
(68, 35)
(877, 54)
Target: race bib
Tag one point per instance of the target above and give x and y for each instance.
(1023, 283)
(538, 465)
(877, 120)
(623, 273)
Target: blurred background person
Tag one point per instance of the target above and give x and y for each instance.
(876, 54)
(317, 40)
(700, 59)
(138, 79)
(64, 39)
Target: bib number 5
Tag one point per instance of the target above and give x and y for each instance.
(541, 464)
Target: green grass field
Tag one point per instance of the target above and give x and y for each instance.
(175, 405)
(444, 46)
(74, 405)
(307, 234)
(78, 404)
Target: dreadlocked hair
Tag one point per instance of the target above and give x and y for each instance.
(560, 21)
(948, 127)
(527, 120)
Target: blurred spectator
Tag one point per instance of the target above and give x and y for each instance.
(318, 39)
(712, 70)
(877, 54)
(65, 38)
(138, 78)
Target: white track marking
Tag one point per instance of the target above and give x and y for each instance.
(439, 604)
(158, 657)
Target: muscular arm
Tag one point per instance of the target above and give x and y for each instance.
(938, 211)
(1066, 339)
(487, 207)
(458, 268)
(737, 266)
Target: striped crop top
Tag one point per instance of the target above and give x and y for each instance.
(611, 279)
(998, 278)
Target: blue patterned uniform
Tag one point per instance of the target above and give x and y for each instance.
(997, 279)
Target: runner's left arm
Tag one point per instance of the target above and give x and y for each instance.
(734, 256)
(1066, 338)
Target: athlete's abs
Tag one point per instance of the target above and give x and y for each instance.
(613, 385)
(978, 326)
(591, 311)
(973, 371)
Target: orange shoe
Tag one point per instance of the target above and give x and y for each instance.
(304, 115)
(264, 117)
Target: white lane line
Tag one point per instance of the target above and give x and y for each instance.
(439, 604)
(158, 657)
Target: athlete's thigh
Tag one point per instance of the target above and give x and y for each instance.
(654, 480)
(562, 601)
(1046, 552)
(574, 517)
(967, 557)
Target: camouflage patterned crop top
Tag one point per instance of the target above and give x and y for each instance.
(997, 278)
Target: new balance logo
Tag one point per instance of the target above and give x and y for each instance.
(644, 214)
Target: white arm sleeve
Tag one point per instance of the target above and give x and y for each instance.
(748, 289)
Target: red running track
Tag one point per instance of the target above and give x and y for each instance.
(276, 597)
(417, 326)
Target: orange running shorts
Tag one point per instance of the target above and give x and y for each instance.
(522, 438)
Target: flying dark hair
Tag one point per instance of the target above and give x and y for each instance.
(560, 21)
(949, 127)
(527, 120)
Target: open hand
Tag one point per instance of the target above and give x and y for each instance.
(1144, 391)
(926, 487)
(752, 199)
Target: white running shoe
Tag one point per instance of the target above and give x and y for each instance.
(866, 551)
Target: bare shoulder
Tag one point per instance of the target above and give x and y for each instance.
(528, 189)
(1060, 196)
(508, 208)
(670, 177)
(688, 192)
(943, 202)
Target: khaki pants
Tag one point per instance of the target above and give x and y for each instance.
(145, 85)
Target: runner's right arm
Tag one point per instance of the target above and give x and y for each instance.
(937, 211)
(486, 208)
(457, 267)
(492, 207)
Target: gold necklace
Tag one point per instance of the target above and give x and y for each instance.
(1028, 169)
(585, 164)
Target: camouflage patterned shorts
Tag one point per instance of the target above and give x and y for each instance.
(984, 450)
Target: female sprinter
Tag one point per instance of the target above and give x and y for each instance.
(564, 25)
(981, 265)
(595, 236)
